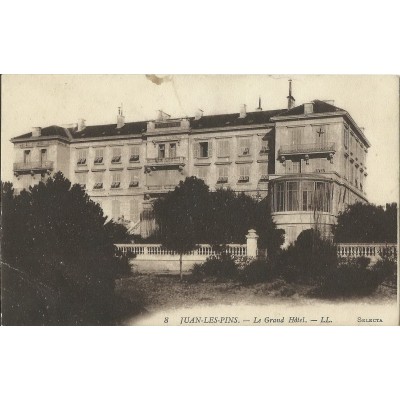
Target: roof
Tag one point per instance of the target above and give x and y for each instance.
(320, 107)
(140, 127)
(130, 128)
(226, 120)
(53, 130)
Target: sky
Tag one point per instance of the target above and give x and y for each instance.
(43, 100)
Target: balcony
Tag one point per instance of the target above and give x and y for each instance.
(154, 162)
(306, 148)
(33, 167)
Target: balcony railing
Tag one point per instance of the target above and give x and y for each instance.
(306, 148)
(166, 161)
(33, 166)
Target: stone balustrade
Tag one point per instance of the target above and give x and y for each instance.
(370, 250)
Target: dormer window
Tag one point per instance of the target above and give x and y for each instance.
(99, 156)
(116, 157)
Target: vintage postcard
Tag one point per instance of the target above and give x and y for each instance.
(259, 200)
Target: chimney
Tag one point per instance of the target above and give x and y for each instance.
(291, 99)
(308, 108)
(120, 118)
(36, 131)
(162, 116)
(331, 102)
(259, 108)
(81, 124)
(243, 111)
(199, 114)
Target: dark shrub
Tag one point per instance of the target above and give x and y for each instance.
(221, 268)
(351, 278)
(257, 271)
(308, 259)
(386, 268)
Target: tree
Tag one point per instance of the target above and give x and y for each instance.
(182, 216)
(191, 214)
(367, 223)
(58, 256)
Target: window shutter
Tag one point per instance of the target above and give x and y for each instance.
(210, 149)
(196, 150)
(227, 149)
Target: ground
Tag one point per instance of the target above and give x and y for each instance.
(156, 293)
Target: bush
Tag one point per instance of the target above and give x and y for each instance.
(308, 259)
(351, 278)
(220, 268)
(386, 268)
(257, 271)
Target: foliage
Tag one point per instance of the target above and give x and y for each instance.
(308, 259)
(59, 262)
(222, 267)
(257, 271)
(367, 223)
(191, 214)
(350, 279)
(386, 267)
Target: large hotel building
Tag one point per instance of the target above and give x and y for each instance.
(310, 158)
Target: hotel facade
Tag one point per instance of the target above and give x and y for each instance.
(311, 159)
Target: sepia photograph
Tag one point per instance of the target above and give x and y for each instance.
(175, 200)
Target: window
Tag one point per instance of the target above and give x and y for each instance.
(280, 196)
(202, 149)
(295, 136)
(223, 148)
(27, 156)
(321, 135)
(322, 198)
(81, 179)
(202, 173)
(134, 210)
(116, 180)
(263, 172)
(345, 165)
(161, 150)
(98, 180)
(99, 156)
(223, 173)
(244, 173)
(43, 155)
(134, 154)
(346, 136)
(134, 178)
(172, 150)
(244, 146)
(292, 196)
(82, 157)
(319, 164)
(264, 148)
(307, 188)
(115, 209)
(292, 166)
(116, 155)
